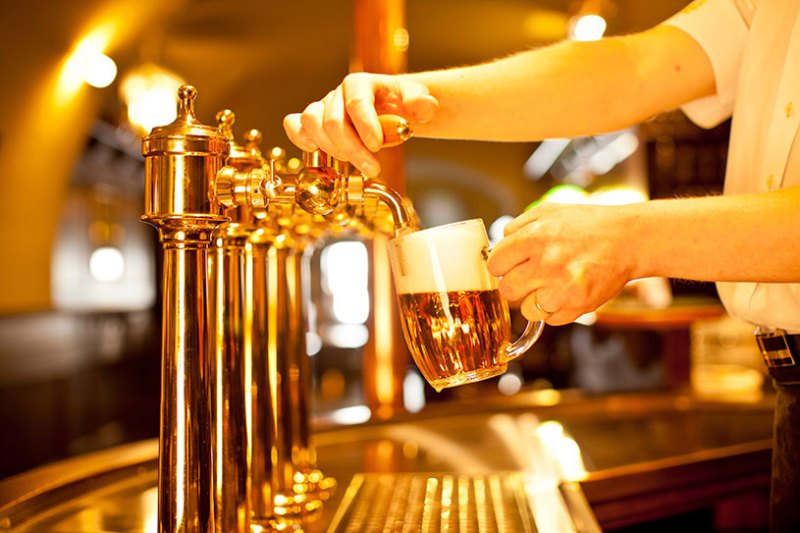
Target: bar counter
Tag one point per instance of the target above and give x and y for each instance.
(649, 456)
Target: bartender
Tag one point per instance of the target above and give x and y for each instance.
(714, 59)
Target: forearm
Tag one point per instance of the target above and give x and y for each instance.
(753, 237)
(568, 89)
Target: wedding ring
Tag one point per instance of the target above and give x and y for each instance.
(536, 304)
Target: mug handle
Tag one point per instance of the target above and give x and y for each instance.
(533, 330)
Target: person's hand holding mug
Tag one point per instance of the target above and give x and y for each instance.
(564, 260)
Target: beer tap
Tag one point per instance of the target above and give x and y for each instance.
(234, 447)
(326, 186)
(231, 276)
(181, 163)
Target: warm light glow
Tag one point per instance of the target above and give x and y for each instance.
(545, 397)
(588, 28)
(566, 194)
(151, 96)
(615, 152)
(563, 449)
(400, 39)
(99, 70)
(544, 157)
(88, 64)
(332, 384)
(294, 164)
(545, 25)
(587, 319)
(413, 392)
(313, 343)
(509, 384)
(356, 414)
(497, 229)
(149, 500)
(347, 335)
(107, 264)
(620, 195)
(345, 266)
(382, 325)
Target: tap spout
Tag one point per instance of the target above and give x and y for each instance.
(392, 199)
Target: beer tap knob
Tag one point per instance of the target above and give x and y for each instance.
(396, 130)
(225, 120)
(318, 187)
(247, 179)
(277, 157)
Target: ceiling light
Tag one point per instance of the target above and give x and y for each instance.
(99, 70)
(588, 28)
(150, 94)
(588, 22)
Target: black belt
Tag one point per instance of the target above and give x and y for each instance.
(778, 348)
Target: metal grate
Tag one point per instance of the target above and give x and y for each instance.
(417, 502)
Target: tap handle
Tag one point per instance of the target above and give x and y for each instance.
(396, 130)
(225, 120)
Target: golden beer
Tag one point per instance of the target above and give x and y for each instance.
(455, 322)
(455, 337)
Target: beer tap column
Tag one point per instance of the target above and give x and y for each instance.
(181, 163)
(231, 296)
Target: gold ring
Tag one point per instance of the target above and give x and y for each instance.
(547, 314)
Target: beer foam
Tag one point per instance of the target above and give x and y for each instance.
(442, 259)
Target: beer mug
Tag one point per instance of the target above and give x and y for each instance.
(455, 322)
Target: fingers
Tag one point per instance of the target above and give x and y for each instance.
(358, 99)
(345, 122)
(324, 125)
(510, 252)
(345, 142)
(418, 107)
(294, 130)
(519, 281)
(533, 310)
(522, 220)
(538, 302)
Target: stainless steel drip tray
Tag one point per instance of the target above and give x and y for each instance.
(433, 502)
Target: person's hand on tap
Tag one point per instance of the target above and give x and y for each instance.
(345, 123)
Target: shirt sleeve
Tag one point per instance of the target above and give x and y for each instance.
(720, 27)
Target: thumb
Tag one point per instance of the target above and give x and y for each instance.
(420, 108)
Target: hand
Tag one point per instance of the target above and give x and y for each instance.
(344, 124)
(570, 259)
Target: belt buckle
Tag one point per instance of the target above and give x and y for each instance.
(774, 347)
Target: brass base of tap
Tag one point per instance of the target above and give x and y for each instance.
(309, 492)
(315, 485)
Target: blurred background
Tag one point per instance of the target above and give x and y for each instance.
(79, 294)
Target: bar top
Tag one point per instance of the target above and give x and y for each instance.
(635, 447)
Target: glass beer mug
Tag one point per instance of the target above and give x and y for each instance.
(455, 322)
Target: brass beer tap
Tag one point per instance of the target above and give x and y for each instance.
(234, 448)
(181, 163)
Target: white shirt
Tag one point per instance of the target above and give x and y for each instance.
(754, 48)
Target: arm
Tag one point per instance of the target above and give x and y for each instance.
(568, 89)
(750, 237)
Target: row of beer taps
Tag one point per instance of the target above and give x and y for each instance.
(235, 226)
